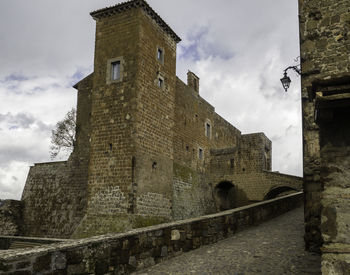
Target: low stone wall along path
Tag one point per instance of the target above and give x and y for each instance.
(274, 247)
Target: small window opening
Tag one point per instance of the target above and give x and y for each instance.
(243, 169)
(160, 83)
(187, 148)
(232, 163)
(115, 70)
(207, 130)
(154, 165)
(160, 55)
(200, 153)
(110, 146)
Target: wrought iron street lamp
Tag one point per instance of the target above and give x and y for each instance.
(285, 80)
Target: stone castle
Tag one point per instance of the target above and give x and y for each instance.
(149, 148)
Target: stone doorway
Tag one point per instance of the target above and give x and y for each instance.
(224, 194)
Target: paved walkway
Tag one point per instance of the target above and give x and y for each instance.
(275, 247)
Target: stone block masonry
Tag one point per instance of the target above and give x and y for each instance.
(149, 148)
(126, 252)
(325, 64)
(11, 217)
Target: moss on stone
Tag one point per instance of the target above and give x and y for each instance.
(185, 174)
(99, 225)
(144, 221)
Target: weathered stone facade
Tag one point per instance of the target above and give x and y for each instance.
(149, 148)
(10, 217)
(325, 63)
(126, 252)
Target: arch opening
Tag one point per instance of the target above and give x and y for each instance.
(224, 194)
(278, 192)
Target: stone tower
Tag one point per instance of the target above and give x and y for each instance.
(132, 117)
(148, 147)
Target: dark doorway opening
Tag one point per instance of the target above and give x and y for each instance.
(224, 194)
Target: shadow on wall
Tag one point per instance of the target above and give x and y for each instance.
(224, 195)
(279, 192)
(228, 196)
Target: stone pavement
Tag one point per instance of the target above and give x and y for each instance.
(275, 247)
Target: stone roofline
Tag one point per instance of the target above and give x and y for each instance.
(282, 174)
(136, 4)
(254, 134)
(49, 163)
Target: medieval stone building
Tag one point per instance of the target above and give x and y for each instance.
(325, 63)
(148, 147)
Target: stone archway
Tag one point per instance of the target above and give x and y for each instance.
(224, 194)
(279, 191)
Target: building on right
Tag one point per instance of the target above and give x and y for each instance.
(325, 64)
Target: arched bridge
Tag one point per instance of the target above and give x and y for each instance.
(240, 189)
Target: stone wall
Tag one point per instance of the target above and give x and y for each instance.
(192, 193)
(335, 177)
(148, 148)
(252, 187)
(131, 157)
(10, 217)
(127, 252)
(325, 64)
(53, 200)
(192, 114)
(254, 154)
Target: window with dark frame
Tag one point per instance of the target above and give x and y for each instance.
(115, 70)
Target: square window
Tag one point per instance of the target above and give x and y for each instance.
(115, 70)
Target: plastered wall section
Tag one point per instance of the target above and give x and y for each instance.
(325, 47)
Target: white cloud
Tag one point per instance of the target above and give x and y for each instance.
(237, 48)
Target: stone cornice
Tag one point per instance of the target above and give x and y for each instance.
(136, 4)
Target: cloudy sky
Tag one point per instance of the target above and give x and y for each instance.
(238, 48)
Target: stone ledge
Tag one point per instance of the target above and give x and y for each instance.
(131, 250)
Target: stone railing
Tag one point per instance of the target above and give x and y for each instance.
(6, 241)
(126, 252)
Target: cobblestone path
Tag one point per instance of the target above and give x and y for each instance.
(275, 247)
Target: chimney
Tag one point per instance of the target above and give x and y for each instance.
(193, 81)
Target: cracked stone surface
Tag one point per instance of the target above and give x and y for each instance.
(274, 247)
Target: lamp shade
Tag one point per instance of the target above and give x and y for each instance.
(285, 80)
